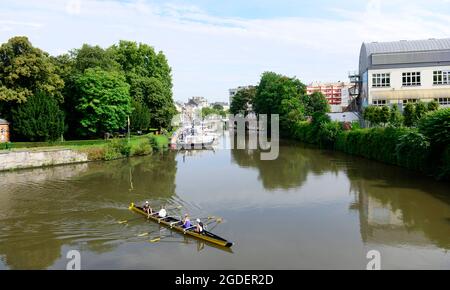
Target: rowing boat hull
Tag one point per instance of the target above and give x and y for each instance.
(205, 236)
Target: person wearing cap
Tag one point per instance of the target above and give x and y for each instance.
(200, 227)
(186, 222)
(147, 209)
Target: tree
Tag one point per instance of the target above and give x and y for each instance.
(314, 103)
(39, 119)
(436, 127)
(421, 110)
(218, 107)
(292, 111)
(140, 118)
(372, 114)
(432, 106)
(384, 115)
(395, 117)
(104, 101)
(241, 102)
(273, 89)
(149, 76)
(24, 71)
(409, 114)
(89, 56)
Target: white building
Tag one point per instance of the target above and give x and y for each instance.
(405, 71)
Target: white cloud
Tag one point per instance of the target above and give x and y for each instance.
(210, 54)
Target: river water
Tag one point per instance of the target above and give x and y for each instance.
(309, 209)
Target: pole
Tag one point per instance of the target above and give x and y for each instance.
(128, 129)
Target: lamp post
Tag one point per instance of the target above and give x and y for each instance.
(128, 129)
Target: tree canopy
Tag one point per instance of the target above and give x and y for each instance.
(242, 100)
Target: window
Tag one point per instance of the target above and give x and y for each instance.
(381, 80)
(409, 101)
(443, 101)
(379, 102)
(411, 79)
(441, 77)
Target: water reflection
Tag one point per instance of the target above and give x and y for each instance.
(44, 209)
(396, 207)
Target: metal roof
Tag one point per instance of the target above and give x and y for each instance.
(414, 47)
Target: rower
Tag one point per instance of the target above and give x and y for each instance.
(186, 222)
(200, 227)
(162, 213)
(147, 209)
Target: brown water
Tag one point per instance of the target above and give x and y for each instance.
(310, 209)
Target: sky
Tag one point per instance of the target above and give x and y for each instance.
(215, 45)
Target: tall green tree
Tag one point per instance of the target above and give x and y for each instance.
(273, 89)
(420, 111)
(25, 70)
(140, 118)
(39, 119)
(315, 103)
(384, 115)
(241, 102)
(409, 114)
(432, 106)
(395, 117)
(104, 101)
(149, 76)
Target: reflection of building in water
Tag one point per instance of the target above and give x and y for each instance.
(380, 223)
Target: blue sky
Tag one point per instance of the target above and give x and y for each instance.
(214, 45)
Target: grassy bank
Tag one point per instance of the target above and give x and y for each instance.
(101, 149)
(425, 148)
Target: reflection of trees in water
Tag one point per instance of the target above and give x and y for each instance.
(408, 202)
(414, 203)
(79, 208)
(290, 169)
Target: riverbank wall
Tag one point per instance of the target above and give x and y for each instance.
(12, 160)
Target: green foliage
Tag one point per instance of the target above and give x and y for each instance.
(432, 106)
(436, 127)
(117, 148)
(104, 102)
(39, 119)
(292, 111)
(421, 110)
(242, 100)
(24, 71)
(140, 118)
(395, 117)
(89, 56)
(316, 102)
(149, 76)
(273, 89)
(409, 113)
(328, 133)
(142, 148)
(384, 114)
(413, 150)
(212, 111)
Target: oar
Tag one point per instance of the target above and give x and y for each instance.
(126, 221)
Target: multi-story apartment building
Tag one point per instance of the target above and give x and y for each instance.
(405, 71)
(337, 94)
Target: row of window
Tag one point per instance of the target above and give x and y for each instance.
(383, 80)
(441, 101)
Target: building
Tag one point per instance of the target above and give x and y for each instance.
(337, 94)
(404, 71)
(198, 102)
(4, 131)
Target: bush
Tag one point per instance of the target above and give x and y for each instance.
(142, 148)
(328, 133)
(413, 151)
(117, 148)
(436, 126)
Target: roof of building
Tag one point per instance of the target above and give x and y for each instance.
(3, 122)
(404, 53)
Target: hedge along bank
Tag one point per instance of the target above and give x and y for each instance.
(425, 149)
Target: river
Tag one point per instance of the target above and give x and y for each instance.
(309, 209)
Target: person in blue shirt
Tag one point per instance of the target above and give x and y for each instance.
(187, 222)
